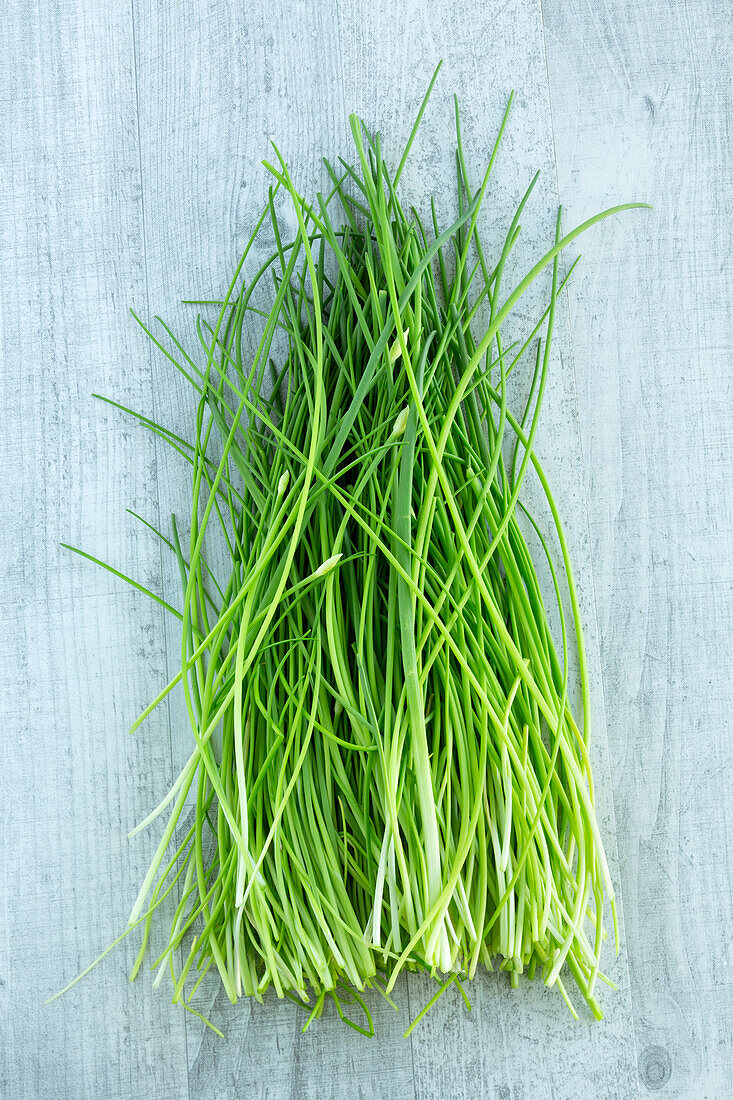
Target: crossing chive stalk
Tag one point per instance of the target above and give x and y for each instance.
(385, 771)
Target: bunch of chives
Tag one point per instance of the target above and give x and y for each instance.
(385, 770)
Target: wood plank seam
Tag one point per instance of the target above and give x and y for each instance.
(156, 445)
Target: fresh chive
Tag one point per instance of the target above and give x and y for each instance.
(386, 772)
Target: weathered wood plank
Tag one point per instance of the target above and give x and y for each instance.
(217, 82)
(641, 99)
(388, 56)
(80, 653)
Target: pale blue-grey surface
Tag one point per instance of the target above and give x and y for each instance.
(130, 139)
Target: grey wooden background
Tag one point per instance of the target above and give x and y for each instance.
(130, 136)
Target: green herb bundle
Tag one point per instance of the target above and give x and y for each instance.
(385, 771)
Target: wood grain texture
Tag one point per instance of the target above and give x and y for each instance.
(642, 101)
(80, 653)
(131, 142)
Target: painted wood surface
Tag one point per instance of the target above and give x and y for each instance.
(80, 653)
(653, 338)
(131, 139)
